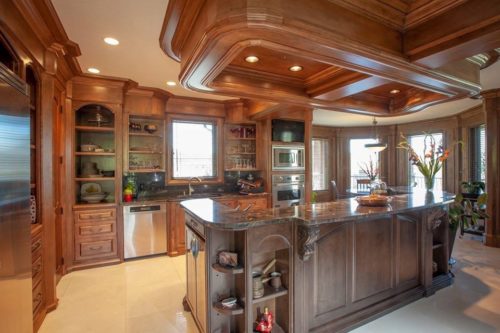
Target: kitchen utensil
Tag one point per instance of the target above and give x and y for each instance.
(89, 169)
(258, 280)
(275, 280)
(374, 200)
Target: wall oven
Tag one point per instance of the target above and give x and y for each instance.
(288, 158)
(288, 190)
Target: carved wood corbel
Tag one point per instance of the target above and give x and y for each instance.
(308, 235)
(435, 217)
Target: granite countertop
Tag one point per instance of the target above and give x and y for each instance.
(173, 197)
(217, 216)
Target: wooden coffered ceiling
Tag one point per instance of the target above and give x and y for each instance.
(380, 57)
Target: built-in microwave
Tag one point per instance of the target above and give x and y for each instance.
(288, 158)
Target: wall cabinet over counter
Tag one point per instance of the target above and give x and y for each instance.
(145, 103)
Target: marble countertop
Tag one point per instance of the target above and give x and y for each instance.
(217, 216)
(169, 197)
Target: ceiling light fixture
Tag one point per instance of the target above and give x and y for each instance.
(295, 68)
(252, 59)
(111, 41)
(93, 70)
(394, 91)
(377, 146)
(171, 83)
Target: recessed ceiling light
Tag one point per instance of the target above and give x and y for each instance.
(93, 70)
(295, 68)
(111, 41)
(171, 83)
(252, 59)
(394, 91)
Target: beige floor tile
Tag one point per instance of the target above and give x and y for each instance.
(145, 296)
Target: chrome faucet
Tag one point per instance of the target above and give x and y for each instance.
(190, 188)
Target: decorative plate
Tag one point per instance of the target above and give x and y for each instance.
(374, 200)
(90, 188)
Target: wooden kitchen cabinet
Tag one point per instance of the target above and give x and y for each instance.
(176, 243)
(96, 236)
(145, 103)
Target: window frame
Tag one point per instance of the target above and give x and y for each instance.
(218, 148)
(475, 151)
(443, 169)
(349, 166)
(326, 160)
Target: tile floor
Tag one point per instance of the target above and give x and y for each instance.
(145, 296)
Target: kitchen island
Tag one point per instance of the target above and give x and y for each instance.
(341, 264)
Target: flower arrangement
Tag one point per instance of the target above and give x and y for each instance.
(430, 162)
(369, 169)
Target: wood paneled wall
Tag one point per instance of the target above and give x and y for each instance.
(393, 161)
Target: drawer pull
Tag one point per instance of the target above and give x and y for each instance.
(95, 248)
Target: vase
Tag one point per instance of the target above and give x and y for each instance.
(429, 183)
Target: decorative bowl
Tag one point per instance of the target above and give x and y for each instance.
(88, 147)
(150, 128)
(374, 200)
(94, 197)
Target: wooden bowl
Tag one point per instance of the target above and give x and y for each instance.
(374, 200)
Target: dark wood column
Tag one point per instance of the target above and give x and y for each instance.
(491, 105)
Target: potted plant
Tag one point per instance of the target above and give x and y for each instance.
(463, 211)
(472, 189)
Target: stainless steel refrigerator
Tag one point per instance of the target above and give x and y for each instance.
(15, 248)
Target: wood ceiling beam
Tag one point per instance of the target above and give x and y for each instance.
(465, 30)
(357, 83)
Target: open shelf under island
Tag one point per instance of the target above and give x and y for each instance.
(341, 264)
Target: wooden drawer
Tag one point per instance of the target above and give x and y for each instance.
(37, 270)
(95, 215)
(95, 229)
(38, 298)
(92, 248)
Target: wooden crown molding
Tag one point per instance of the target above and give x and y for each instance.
(360, 53)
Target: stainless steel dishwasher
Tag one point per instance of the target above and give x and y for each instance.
(145, 229)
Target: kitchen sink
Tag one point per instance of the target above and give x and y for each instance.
(199, 195)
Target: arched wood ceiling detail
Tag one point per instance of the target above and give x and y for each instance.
(353, 53)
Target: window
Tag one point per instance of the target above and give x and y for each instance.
(194, 149)
(320, 164)
(478, 154)
(415, 177)
(360, 158)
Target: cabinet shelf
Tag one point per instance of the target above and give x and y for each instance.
(240, 154)
(145, 152)
(437, 246)
(146, 170)
(145, 134)
(242, 169)
(228, 270)
(91, 153)
(241, 139)
(93, 179)
(237, 309)
(270, 293)
(95, 129)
